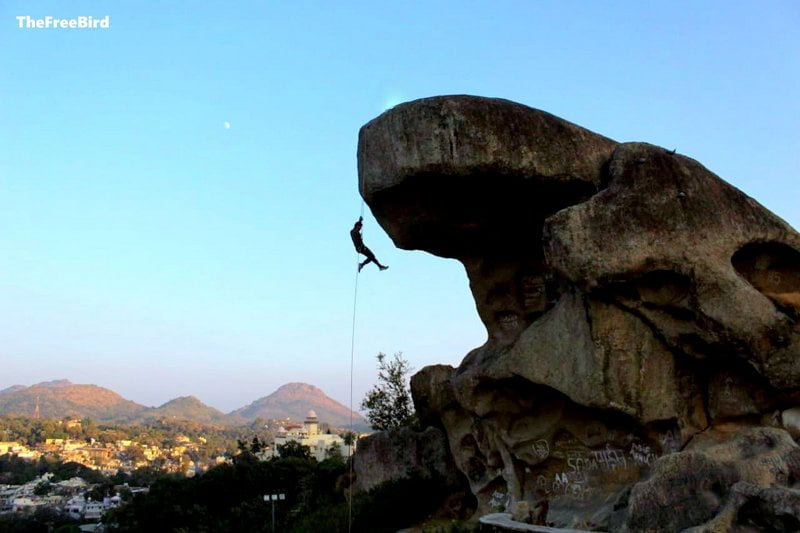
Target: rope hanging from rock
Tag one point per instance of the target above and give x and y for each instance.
(352, 360)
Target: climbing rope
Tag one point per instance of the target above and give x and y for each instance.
(352, 365)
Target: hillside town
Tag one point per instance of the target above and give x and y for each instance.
(108, 458)
(71, 497)
(74, 497)
(83, 500)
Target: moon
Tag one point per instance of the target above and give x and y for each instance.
(226, 125)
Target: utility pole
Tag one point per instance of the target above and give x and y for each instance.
(273, 498)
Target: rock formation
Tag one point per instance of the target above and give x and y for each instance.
(399, 454)
(638, 310)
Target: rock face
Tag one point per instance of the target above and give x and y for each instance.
(712, 489)
(387, 456)
(632, 300)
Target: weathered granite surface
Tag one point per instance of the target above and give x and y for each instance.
(634, 302)
(386, 456)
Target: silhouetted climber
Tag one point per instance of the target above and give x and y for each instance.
(358, 242)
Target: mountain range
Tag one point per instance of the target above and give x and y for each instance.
(64, 399)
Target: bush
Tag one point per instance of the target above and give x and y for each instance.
(390, 506)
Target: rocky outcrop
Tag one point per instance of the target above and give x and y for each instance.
(398, 454)
(723, 486)
(396, 461)
(632, 300)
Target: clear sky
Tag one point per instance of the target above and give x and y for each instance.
(176, 191)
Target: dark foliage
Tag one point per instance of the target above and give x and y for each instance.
(40, 521)
(226, 498)
(294, 449)
(230, 498)
(16, 471)
(387, 508)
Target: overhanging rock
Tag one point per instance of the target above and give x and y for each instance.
(632, 298)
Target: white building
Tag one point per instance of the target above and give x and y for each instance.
(79, 508)
(309, 435)
(93, 510)
(74, 507)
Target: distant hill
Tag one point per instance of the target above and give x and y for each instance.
(12, 388)
(294, 400)
(188, 408)
(62, 399)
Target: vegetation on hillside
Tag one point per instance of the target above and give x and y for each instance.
(60, 399)
(189, 408)
(16, 471)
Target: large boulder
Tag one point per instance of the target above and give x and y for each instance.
(403, 453)
(632, 300)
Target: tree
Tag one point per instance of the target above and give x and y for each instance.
(43, 488)
(388, 404)
(134, 454)
(349, 438)
(125, 494)
(256, 445)
(95, 494)
(334, 452)
(293, 448)
(241, 445)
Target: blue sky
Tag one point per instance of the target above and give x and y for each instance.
(147, 248)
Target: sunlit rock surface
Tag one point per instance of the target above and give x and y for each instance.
(632, 299)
